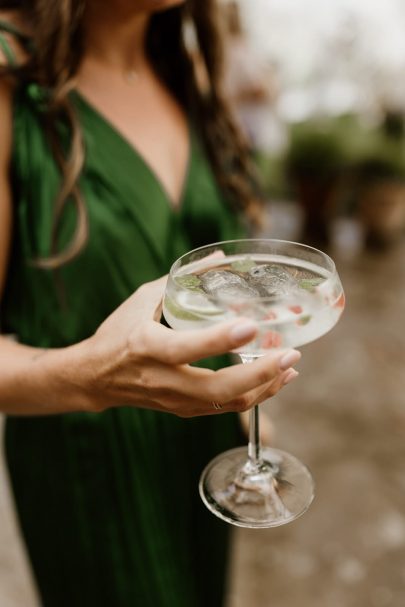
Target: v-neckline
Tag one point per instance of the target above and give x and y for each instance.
(175, 205)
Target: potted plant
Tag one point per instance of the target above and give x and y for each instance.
(314, 163)
(380, 194)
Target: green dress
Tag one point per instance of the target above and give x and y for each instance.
(108, 503)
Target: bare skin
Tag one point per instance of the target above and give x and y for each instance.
(131, 359)
(141, 110)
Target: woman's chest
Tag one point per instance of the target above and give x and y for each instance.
(150, 120)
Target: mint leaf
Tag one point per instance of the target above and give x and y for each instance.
(310, 283)
(190, 282)
(243, 265)
(304, 320)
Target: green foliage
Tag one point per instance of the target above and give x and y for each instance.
(315, 153)
(344, 146)
(384, 161)
(271, 171)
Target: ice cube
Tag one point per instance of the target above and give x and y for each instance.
(225, 284)
(271, 280)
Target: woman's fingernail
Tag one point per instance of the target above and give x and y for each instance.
(289, 358)
(290, 376)
(243, 330)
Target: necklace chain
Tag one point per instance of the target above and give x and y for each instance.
(131, 76)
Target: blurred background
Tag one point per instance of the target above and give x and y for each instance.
(324, 109)
(319, 90)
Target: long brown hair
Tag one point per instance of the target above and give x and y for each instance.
(56, 50)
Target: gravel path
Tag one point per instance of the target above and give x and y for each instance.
(16, 586)
(344, 417)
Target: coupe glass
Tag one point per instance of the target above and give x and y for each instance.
(294, 294)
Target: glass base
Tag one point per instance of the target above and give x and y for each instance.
(274, 493)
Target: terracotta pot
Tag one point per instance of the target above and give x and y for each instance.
(316, 198)
(382, 212)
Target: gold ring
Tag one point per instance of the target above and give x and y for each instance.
(216, 406)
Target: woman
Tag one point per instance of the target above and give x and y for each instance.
(115, 158)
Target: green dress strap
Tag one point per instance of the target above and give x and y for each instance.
(23, 39)
(9, 28)
(7, 51)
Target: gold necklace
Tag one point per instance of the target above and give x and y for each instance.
(131, 76)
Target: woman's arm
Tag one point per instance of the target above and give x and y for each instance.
(5, 202)
(25, 384)
(133, 360)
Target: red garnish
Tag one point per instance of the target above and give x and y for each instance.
(340, 302)
(271, 339)
(237, 307)
(295, 309)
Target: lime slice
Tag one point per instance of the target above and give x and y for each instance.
(198, 303)
(179, 312)
(191, 306)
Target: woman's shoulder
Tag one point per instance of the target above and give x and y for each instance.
(16, 89)
(6, 100)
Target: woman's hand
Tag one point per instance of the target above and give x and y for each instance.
(134, 360)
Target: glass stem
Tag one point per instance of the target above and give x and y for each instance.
(254, 448)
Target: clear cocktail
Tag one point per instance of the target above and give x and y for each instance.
(294, 302)
(294, 294)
